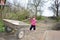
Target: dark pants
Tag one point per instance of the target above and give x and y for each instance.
(33, 26)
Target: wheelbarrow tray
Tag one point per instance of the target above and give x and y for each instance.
(14, 24)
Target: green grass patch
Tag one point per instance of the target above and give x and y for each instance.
(40, 18)
(2, 28)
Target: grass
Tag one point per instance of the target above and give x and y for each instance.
(2, 28)
(40, 18)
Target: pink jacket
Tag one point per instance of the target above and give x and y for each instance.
(33, 21)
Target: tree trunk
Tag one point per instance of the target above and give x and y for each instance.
(57, 16)
(0, 15)
(0, 12)
(36, 12)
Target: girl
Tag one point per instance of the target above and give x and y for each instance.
(33, 23)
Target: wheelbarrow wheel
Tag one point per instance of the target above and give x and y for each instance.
(20, 34)
(8, 29)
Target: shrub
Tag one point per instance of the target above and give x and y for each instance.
(2, 28)
(40, 18)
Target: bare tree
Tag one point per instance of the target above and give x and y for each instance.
(34, 4)
(55, 8)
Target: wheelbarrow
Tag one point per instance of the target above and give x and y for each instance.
(18, 26)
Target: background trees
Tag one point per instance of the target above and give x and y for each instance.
(55, 8)
(35, 6)
(14, 11)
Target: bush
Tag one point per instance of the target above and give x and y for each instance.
(2, 28)
(21, 17)
(40, 18)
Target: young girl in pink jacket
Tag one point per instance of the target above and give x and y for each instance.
(33, 23)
